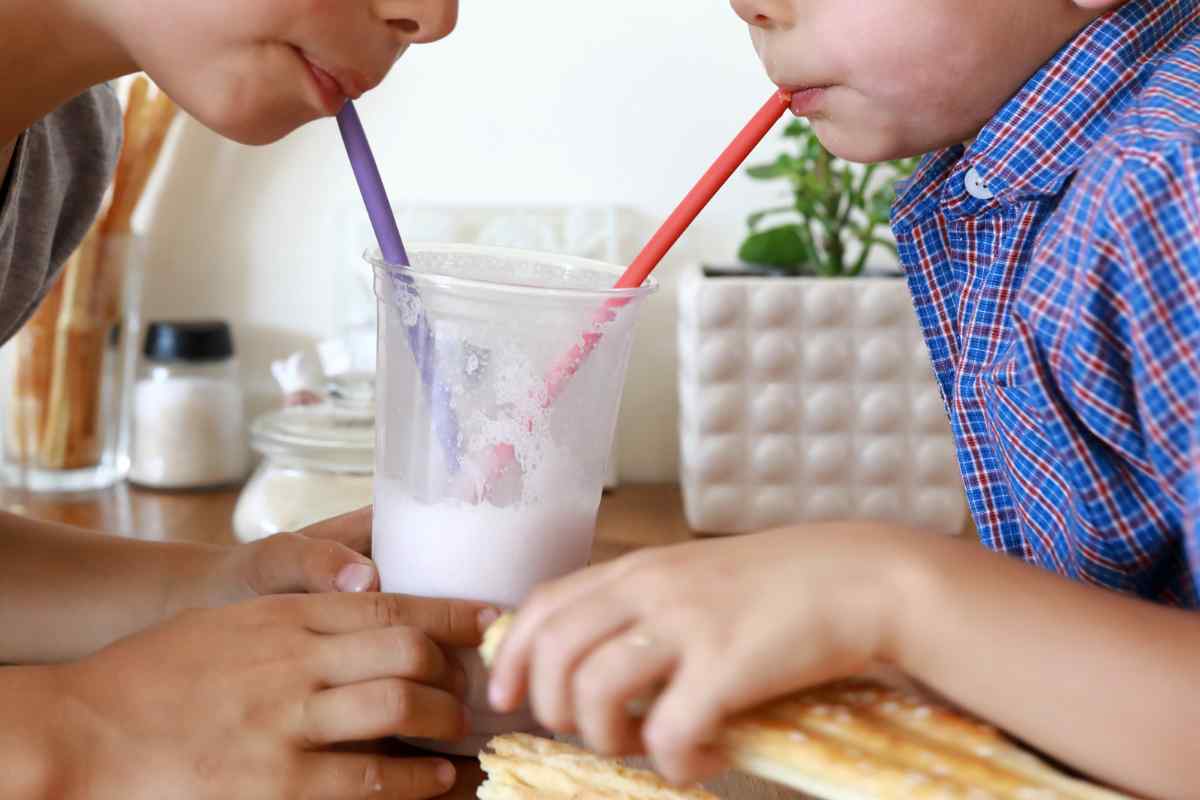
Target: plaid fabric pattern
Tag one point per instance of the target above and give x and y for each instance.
(1055, 269)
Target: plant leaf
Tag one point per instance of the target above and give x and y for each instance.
(754, 219)
(795, 129)
(836, 206)
(780, 246)
(783, 166)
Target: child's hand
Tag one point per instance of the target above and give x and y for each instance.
(246, 701)
(717, 627)
(330, 556)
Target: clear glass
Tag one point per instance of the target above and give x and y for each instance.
(318, 462)
(490, 456)
(189, 429)
(282, 497)
(68, 374)
(223, 370)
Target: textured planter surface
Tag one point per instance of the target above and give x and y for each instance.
(806, 399)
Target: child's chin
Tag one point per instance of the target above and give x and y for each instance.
(252, 117)
(257, 132)
(860, 143)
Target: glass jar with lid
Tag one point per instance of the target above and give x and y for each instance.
(317, 462)
(189, 427)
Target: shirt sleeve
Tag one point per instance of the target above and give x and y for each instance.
(60, 170)
(1153, 217)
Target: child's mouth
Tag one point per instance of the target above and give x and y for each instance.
(334, 92)
(804, 101)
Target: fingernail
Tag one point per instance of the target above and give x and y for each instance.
(355, 578)
(445, 774)
(496, 696)
(486, 618)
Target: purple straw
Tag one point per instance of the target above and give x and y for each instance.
(420, 337)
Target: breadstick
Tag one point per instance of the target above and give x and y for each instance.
(151, 123)
(148, 124)
(32, 364)
(77, 362)
(858, 739)
(523, 767)
(71, 436)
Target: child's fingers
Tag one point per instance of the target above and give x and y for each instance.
(563, 642)
(456, 623)
(352, 529)
(346, 776)
(684, 725)
(509, 680)
(399, 652)
(290, 562)
(374, 709)
(613, 684)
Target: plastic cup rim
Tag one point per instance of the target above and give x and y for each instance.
(383, 268)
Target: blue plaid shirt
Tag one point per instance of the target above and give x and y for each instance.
(1055, 268)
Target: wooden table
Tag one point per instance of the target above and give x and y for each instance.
(631, 517)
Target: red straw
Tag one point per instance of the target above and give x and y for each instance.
(660, 243)
(725, 165)
(670, 231)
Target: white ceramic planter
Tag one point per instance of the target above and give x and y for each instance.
(808, 399)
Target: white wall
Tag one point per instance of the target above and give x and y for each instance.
(537, 102)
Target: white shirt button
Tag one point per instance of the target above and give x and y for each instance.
(976, 185)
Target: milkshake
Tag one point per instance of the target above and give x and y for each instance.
(477, 551)
(467, 337)
(455, 549)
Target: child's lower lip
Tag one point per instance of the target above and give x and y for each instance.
(805, 100)
(332, 97)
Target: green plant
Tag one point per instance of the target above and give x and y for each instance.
(831, 227)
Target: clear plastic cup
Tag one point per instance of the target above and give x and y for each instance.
(490, 459)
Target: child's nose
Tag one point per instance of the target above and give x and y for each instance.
(763, 13)
(419, 21)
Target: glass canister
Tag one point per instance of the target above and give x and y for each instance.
(318, 461)
(189, 428)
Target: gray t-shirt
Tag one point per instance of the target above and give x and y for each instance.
(56, 180)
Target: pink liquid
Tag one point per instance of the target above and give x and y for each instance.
(478, 552)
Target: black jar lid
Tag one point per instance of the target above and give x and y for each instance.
(196, 340)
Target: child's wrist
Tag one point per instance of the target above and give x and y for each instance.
(918, 594)
(201, 576)
(887, 609)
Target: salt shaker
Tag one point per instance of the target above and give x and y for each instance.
(189, 427)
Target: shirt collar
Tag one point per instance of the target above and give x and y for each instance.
(1036, 141)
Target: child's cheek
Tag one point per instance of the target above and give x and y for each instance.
(758, 39)
(779, 53)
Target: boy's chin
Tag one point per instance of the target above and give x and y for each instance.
(250, 112)
(861, 143)
(857, 143)
(257, 129)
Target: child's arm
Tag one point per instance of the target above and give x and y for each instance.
(1104, 682)
(66, 592)
(52, 51)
